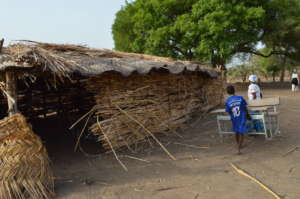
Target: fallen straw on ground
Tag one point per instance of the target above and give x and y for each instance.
(135, 158)
(192, 146)
(243, 173)
(291, 150)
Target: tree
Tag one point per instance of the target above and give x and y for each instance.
(205, 30)
(244, 70)
(122, 29)
(153, 27)
(239, 72)
(270, 66)
(283, 32)
(227, 27)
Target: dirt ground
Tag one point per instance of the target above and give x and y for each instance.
(197, 173)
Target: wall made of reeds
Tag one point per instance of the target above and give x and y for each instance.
(130, 109)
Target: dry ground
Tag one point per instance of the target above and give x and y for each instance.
(197, 173)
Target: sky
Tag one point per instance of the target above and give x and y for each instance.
(84, 22)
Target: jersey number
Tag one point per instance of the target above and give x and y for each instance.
(236, 111)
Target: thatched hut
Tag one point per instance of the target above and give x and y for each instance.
(121, 98)
(48, 80)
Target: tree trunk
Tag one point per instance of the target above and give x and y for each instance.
(244, 78)
(282, 74)
(223, 72)
(274, 77)
(11, 89)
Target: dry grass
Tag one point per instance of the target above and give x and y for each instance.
(137, 108)
(24, 165)
(84, 50)
(65, 59)
(35, 55)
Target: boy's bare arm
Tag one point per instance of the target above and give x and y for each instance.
(247, 114)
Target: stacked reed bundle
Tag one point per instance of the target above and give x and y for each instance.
(24, 166)
(131, 109)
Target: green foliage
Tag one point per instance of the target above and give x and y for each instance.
(239, 72)
(227, 27)
(269, 66)
(242, 72)
(208, 30)
(283, 27)
(122, 28)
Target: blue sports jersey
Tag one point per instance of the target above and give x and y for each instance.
(236, 107)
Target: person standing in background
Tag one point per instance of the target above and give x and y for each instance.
(254, 91)
(295, 80)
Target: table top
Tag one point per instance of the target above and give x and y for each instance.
(257, 105)
(270, 101)
(222, 110)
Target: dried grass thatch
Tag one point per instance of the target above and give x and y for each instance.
(24, 166)
(131, 110)
(64, 60)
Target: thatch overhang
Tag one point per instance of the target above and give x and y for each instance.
(65, 60)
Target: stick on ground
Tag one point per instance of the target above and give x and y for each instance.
(134, 158)
(291, 151)
(197, 196)
(243, 173)
(192, 146)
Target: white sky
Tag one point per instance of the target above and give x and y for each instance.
(59, 21)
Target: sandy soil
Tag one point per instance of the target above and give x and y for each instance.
(197, 173)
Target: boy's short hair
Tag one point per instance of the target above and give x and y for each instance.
(230, 90)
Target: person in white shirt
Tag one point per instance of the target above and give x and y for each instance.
(295, 80)
(254, 91)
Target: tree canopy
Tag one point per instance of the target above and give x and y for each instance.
(264, 67)
(208, 30)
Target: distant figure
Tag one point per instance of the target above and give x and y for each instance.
(236, 106)
(254, 91)
(295, 81)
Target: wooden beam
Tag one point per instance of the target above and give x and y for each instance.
(11, 89)
(1, 44)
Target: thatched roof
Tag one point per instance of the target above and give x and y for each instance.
(64, 60)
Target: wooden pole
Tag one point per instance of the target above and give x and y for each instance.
(1, 44)
(11, 89)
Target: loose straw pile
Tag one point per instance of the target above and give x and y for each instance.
(24, 165)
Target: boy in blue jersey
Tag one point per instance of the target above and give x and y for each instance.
(236, 106)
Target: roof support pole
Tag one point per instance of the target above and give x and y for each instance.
(11, 89)
(1, 44)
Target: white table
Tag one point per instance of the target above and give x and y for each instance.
(266, 111)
